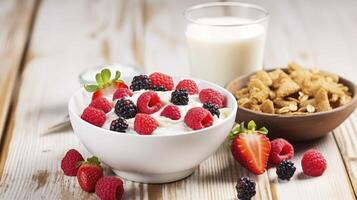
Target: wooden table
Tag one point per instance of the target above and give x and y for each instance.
(45, 44)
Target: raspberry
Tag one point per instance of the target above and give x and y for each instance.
(172, 112)
(212, 96)
(70, 162)
(280, 150)
(109, 188)
(125, 108)
(149, 102)
(198, 118)
(94, 116)
(121, 93)
(179, 97)
(119, 125)
(140, 82)
(212, 108)
(144, 124)
(285, 170)
(101, 103)
(160, 79)
(188, 85)
(245, 188)
(313, 163)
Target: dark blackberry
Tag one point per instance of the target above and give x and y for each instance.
(158, 88)
(119, 125)
(285, 170)
(179, 97)
(125, 108)
(212, 108)
(140, 82)
(245, 188)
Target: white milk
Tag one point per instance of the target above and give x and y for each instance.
(221, 53)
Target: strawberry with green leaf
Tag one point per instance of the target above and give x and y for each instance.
(250, 147)
(104, 84)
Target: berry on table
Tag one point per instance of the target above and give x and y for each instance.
(94, 116)
(71, 162)
(119, 125)
(101, 103)
(212, 96)
(109, 188)
(280, 150)
(159, 79)
(285, 170)
(140, 82)
(172, 112)
(198, 118)
(245, 188)
(125, 108)
(144, 124)
(89, 173)
(188, 85)
(121, 93)
(212, 108)
(149, 102)
(179, 97)
(313, 163)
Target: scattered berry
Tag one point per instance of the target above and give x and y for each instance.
(198, 118)
(188, 85)
(212, 108)
(140, 82)
(160, 79)
(172, 112)
(212, 96)
(71, 162)
(109, 188)
(119, 125)
(101, 103)
(280, 150)
(94, 116)
(149, 102)
(125, 108)
(121, 93)
(285, 170)
(245, 188)
(158, 88)
(144, 124)
(179, 97)
(89, 173)
(313, 163)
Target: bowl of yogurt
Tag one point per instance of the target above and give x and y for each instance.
(171, 152)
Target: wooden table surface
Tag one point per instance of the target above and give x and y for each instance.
(45, 44)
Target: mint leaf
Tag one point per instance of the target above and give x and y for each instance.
(106, 74)
(251, 125)
(117, 76)
(90, 88)
(99, 80)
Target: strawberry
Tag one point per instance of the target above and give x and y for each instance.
(89, 173)
(250, 147)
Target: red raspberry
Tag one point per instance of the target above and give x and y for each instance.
(212, 96)
(159, 79)
(188, 85)
(313, 163)
(122, 92)
(94, 116)
(198, 118)
(70, 162)
(149, 102)
(144, 124)
(172, 112)
(280, 150)
(109, 188)
(101, 103)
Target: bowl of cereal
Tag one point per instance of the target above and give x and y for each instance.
(294, 103)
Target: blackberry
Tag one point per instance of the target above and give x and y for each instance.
(212, 108)
(119, 125)
(285, 170)
(245, 188)
(179, 97)
(125, 108)
(140, 82)
(158, 88)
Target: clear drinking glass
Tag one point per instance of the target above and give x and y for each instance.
(225, 39)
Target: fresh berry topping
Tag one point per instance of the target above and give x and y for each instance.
(280, 150)
(89, 173)
(245, 188)
(212, 108)
(160, 79)
(140, 82)
(71, 162)
(198, 118)
(158, 88)
(313, 163)
(119, 125)
(125, 108)
(109, 188)
(101, 103)
(212, 96)
(250, 147)
(120, 84)
(94, 116)
(172, 112)
(121, 93)
(188, 85)
(285, 170)
(179, 97)
(144, 124)
(149, 102)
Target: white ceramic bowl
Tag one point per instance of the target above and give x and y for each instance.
(151, 158)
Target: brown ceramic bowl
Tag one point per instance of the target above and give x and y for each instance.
(296, 127)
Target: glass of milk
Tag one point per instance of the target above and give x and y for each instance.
(225, 39)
